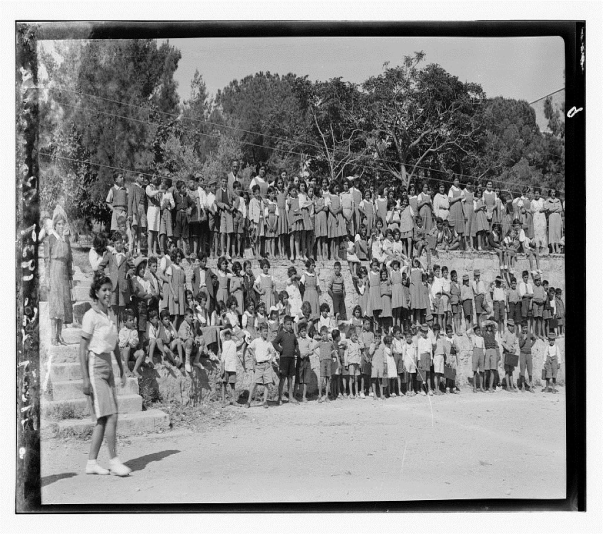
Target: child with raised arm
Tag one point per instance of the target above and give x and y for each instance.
(263, 355)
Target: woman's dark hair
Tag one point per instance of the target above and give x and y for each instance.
(139, 266)
(98, 281)
(99, 244)
(231, 300)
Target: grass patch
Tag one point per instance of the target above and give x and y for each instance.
(200, 417)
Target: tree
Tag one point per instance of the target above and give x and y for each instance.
(338, 131)
(420, 118)
(106, 102)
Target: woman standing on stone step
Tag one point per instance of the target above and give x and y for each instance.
(99, 339)
(58, 260)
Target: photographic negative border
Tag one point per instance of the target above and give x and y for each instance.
(28, 373)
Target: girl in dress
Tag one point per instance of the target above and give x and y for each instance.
(374, 286)
(282, 223)
(539, 219)
(237, 287)
(553, 209)
(248, 282)
(98, 252)
(224, 276)
(141, 296)
(508, 211)
(367, 209)
(455, 201)
(302, 196)
(232, 315)
(361, 285)
(296, 223)
(525, 213)
(312, 290)
(347, 206)
(352, 258)
(58, 263)
(261, 315)
(417, 301)
(166, 205)
(308, 233)
(361, 245)
(249, 320)
(482, 226)
(490, 201)
(264, 285)
(407, 225)
(381, 204)
(154, 195)
(176, 286)
(336, 222)
(406, 315)
(320, 225)
(397, 293)
(271, 217)
(441, 205)
(425, 208)
(292, 288)
(393, 215)
(468, 202)
(413, 199)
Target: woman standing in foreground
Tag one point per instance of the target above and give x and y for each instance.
(57, 251)
(99, 339)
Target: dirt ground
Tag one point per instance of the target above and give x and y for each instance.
(482, 445)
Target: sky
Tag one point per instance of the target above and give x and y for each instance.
(525, 68)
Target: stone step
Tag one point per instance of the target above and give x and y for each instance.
(79, 408)
(128, 424)
(72, 389)
(81, 293)
(72, 335)
(63, 372)
(79, 309)
(64, 353)
(82, 282)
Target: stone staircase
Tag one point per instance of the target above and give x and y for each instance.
(64, 408)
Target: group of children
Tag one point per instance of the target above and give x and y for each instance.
(400, 336)
(298, 219)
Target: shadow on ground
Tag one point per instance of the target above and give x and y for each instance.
(137, 464)
(54, 478)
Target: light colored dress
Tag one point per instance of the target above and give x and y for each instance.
(178, 281)
(441, 206)
(368, 209)
(397, 290)
(539, 219)
(481, 220)
(320, 219)
(374, 291)
(222, 291)
(236, 290)
(456, 214)
(310, 282)
(363, 299)
(469, 213)
(426, 211)
(266, 282)
(283, 223)
(555, 231)
(386, 298)
(58, 274)
(416, 289)
(337, 226)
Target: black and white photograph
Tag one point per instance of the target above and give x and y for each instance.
(298, 266)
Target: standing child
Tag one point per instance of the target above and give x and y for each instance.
(327, 352)
(352, 361)
(271, 217)
(282, 222)
(398, 297)
(479, 293)
(184, 205)
(320, 226)
(482, 226)
(385, 318)
(417, 302)
(425, 358)
(477, 359)
(176, 286)
(264, 285)
(455, 302)
(467, 302)
(514, 303)
(262, 354)
(526, 342)
(255, 214)
(526, 292)
(287, 346)
(560, 305)
(538, 301)
(304, 366)
(451, 360)
(293, 292)
(224, 203)
(374, 287)
(154, 194)
(137, 212)
(336, 289)
(296, 224)
(378, 365)
(398, 353)
(440, 355)
(119, 268)
(409, 357)
(228, 365)
(336, 222)
(367, 342)
(309, 280)
(498, 302)
(551, 363)
(510, 346)
(367, 209)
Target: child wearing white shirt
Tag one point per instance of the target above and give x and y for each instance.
(228, 365)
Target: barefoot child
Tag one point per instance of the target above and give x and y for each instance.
(467, 302)
(526, 342)
(440, 355)
(367, 343)
(158, 340)
(409, 357)
(510, 346)
(551, 363)
(352, 359)
(262, 355)
(477, 359)
(378, 365)
(190, 343)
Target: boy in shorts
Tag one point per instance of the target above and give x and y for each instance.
(378, 365)
(551, 363)
(498, 302)
(228, 365)
(440, 354)
(451, 359)
(514, 302)
(193, 345)
(477, 359)
(467, 302)
(129, 341)
(526, 342)
(327, 352)
(304, 366)
(526, 293)
(510, 346)
(491, 354)
(425, 357)
(367, 343)
(263, 355)
(539, 295)
(287, 346)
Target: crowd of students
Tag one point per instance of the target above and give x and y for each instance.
(402, 336)
(349, 220)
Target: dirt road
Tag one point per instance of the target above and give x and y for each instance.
(499, 445)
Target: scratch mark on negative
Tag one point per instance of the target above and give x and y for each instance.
(403, 458)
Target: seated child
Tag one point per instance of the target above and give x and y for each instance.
(128, 341)
(193, 344)
(156, 337)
